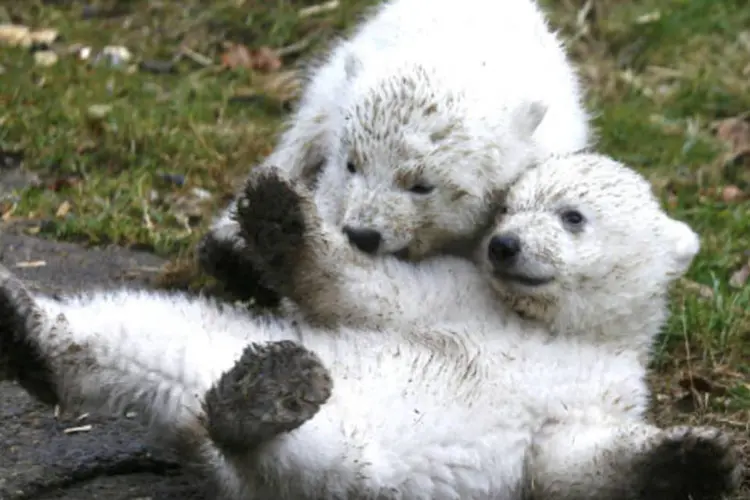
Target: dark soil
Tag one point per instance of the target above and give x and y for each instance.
(114, 460)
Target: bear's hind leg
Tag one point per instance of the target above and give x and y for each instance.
(634, 461)
(272, 389)
(22, 357)
(688, 462)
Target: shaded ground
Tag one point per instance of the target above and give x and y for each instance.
(111, 460)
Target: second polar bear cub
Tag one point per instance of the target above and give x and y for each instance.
(409, 126)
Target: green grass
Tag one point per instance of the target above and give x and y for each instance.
(183, 123)
(660, 73)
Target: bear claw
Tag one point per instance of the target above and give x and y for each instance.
(272, 389)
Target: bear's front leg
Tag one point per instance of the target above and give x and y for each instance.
(272, 389)
(635, 461)
(309, 261)
(222, 255)
(278, 221)
(295, 252)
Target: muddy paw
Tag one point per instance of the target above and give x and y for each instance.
(227, 262)
(273, 388)
(697, 463)
(274, 215)
(21, 357)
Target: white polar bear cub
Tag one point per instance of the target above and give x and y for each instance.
(467, 400)
(410, 126)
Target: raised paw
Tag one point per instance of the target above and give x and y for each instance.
(274, 215)
(689, 463)
(228, 262)
(273, 388)
(21, 357)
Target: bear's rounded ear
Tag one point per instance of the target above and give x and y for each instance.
(685, 244)
(528, 116)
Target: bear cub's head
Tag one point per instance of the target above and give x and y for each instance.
(582, 243)
(418, 159)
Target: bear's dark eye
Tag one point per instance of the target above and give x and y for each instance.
(351, 167)
(573, 219)
(422, 188)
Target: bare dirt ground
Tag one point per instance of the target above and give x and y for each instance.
(110, 459)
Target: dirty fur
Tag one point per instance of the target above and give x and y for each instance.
(520, 376)
(408, 135)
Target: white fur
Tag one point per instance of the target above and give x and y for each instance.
(460, 95)
(465, 400)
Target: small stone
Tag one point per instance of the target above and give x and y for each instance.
(157, 67)
(44, 37)
(116, 55)
(11, 158)
(84, 53)
(98, 111)
(15, 35)
(174, 179)
(45, 58)
(201, 194)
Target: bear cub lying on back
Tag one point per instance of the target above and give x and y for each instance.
(407, 134)
(289, 409)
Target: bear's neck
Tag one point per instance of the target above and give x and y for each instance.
(630, 324)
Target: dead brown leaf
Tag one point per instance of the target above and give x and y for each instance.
(63, 209)
(732, 194)
(703, 291)
(283, 85)
(735, 132)
(727, 194)
(263, 59)
(266, 59)
(740, 276)
(236, 56)
(672, 200)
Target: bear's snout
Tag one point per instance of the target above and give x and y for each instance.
(503, 249)
(366, 240)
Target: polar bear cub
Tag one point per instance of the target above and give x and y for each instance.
(409, 127)
(467, 401)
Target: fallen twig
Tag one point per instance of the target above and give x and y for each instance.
(82, 428)
(314, 10)
(195, 56)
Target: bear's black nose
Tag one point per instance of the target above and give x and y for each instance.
(503, 248)
(367, 240)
